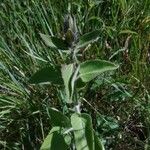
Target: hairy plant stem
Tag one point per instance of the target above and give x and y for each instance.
(77, 104)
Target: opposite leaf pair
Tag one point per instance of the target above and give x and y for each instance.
(81, 130)
(67, 76)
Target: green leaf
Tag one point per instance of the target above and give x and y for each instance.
(88, 130)
(54, 140)
(47, 40)
(48, 74)
(67, 71)
(98, 143)
(92, 68)
(59, 119)
(54, 42)
(83, 131)
(88, 38)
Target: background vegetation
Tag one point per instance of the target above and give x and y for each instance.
(119, 103)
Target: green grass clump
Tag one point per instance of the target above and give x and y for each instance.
(119, 103)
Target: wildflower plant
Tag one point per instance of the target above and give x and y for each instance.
(73, 130)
